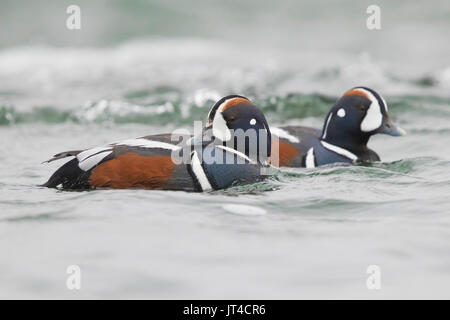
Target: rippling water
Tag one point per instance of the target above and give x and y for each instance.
(300, 234)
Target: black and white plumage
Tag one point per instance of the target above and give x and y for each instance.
(148, 162)
(357, 115)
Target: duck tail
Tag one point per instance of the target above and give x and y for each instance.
(69, 176)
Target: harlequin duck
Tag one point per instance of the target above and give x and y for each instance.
(357, 115)
(149, 162)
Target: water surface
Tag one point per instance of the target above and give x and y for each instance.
(300, 234)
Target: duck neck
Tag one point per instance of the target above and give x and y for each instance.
(356, 144)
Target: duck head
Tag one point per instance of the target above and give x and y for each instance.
(360, 113)
(236, 122)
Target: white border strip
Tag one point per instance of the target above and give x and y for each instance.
(340, 151)
(309, 162)
(150, 144)
(326, 126)
(199, 172)
(284, 134)
(239, 154)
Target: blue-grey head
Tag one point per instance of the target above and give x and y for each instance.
(236, 119)
(360, 113)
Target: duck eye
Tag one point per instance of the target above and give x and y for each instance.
(253, 122)
(362, 107)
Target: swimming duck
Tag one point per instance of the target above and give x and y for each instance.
(359, 114)
(149, 163)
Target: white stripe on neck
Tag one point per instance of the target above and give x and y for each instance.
(326, 126)
(199, 172)
(341, 151)
(309, 162)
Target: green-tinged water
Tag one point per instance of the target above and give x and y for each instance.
(178, 111)
(302, 233)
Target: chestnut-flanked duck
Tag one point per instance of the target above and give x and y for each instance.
(359, 114)
(148, 162)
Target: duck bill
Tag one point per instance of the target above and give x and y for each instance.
(392, 130)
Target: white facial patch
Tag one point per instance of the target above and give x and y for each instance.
(219, 127)
(374, 117)
(218, 110)
(252, 122)
(341, 113)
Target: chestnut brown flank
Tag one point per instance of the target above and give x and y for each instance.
(286, 152)
(133, 171)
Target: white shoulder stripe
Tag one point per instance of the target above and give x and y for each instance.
(145, 143)
(339, 150)
(284, 134)
(92, 161)
(199, 172)
(309, 162)
(91, 157)
(90, 152)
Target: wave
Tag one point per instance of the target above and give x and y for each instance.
(404, 172)
(172, 108)
(177, 80)
(412, 168)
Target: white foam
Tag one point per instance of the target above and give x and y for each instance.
(244, 210)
